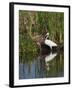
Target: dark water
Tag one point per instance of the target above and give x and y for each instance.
(42, 66)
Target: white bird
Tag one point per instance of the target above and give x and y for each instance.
(49, 42)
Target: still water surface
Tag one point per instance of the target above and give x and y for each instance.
(42, 66)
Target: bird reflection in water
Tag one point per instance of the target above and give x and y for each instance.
(43, 66)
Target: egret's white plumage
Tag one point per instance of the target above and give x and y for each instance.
(49, 42)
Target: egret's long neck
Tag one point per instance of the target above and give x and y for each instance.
(46, 37)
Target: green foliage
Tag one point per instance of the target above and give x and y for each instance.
(26, 46)
(32, 23)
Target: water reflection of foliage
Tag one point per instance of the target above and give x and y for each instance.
(28, 57)
(41, 68)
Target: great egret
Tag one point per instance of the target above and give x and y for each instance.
(49, 42)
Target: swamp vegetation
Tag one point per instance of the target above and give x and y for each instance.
(34, 23)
